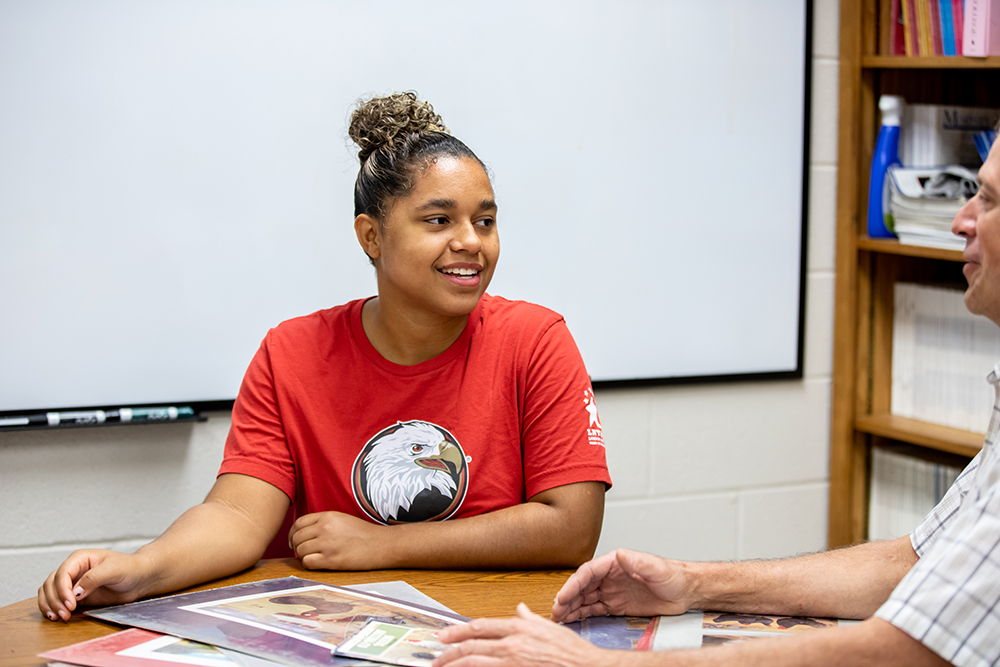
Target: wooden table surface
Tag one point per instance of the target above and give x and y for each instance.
(24, 632)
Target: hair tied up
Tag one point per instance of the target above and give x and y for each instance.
(382, 121)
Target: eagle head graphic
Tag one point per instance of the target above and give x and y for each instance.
(411, 471)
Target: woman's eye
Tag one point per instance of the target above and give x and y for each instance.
(486, 222)
(438, 221)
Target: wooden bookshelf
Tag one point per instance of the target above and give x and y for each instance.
(866, 269)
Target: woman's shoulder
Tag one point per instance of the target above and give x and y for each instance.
(500, 312)
(319, 323)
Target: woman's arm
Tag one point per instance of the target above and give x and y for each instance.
(557, 528)
(225, 534)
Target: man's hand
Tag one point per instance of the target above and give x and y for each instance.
(625, 583)
(338, 541)
(527, 639)
(98, 576)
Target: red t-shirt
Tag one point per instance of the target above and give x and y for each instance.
(506, 412)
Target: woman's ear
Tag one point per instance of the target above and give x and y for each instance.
(369, 235)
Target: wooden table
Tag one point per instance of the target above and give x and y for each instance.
(24, 632)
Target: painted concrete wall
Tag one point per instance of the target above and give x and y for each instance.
(709, 472)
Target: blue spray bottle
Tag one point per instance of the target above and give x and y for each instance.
(886, 154)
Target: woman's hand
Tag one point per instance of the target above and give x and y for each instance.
(527, 639)
(625, 583)
(98, 576)
(338, 541)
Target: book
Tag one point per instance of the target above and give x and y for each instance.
(981, 33)
(903, 489)
(897, 30)
(911, 39)
(925, 46)
(934, 19)
(957, 14)
(941, 355)
(947, 28)
(935, 135)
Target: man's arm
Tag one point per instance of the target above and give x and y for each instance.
(531, 640)
(845, 583)
(556, 528)
(225, 534)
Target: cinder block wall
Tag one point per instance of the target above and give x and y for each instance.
(709, 472)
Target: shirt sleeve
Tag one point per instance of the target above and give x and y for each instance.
(561, 431)
(256, 445)
(926, 534)
(950, 599)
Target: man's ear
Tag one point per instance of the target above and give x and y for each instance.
(369, 235)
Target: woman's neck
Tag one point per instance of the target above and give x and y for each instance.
(407, 338)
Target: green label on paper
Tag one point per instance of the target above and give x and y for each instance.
(382, 637)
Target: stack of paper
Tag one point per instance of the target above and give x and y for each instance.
(904, 489)
(941, 355)
(923, 202)
(287, 621)
(294, 621)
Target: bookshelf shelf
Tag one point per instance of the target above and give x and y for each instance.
(929, 62)
(867, 269)
(932, 436)
(894, 247)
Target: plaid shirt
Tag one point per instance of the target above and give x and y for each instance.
(950, 600)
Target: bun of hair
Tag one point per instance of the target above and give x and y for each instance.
(378, 121)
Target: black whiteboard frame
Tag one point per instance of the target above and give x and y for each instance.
(797, 373)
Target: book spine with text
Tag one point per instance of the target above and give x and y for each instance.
(974, 29)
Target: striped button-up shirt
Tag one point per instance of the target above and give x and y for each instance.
(950, 600)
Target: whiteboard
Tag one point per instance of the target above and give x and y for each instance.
(176, 178)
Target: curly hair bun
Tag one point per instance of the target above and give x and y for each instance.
(378, 121)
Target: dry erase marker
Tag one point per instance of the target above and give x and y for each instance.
(78, 418)
(154, 414)
(28, 420)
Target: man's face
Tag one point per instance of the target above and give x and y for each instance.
(979, 223)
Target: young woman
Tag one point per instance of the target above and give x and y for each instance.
(369, 424)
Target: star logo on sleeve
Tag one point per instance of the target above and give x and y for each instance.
(595, 434)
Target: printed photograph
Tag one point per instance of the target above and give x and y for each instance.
(320, 615)
(394, 644)
(764, 622)
(177, 650)
(136, 648)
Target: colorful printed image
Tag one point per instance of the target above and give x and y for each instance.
(174, 649)
(394, 644)
(764, 622)
(318, 614)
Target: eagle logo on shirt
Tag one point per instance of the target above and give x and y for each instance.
(411, 471)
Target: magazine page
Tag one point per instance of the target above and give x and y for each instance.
(394, 644)
(613, 632)
(139, 648)
(695, 629)
(290, 620)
